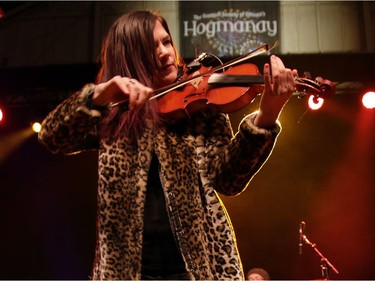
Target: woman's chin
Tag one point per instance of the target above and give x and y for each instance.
(166, 80)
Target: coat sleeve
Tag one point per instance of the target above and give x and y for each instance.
(232, 161)
(72, 126)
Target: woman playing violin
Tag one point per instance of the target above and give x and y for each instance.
(159, 214)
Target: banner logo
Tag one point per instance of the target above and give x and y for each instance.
(228, 32)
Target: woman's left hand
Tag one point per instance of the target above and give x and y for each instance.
(276, 93)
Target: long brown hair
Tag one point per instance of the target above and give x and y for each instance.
(129, 51)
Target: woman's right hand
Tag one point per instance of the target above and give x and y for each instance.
(119, 89)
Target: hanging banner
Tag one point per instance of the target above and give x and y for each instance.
(225, 28)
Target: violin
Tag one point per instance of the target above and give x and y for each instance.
(228, 91)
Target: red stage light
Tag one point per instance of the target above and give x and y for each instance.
(1, 115)
(368, 100)
(2, 14)
(315, 103)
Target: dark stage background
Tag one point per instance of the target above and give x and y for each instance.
(321, 172)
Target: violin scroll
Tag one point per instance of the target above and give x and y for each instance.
(319, 88)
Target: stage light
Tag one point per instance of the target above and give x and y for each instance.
(368, 100)
(315, 103)
(36, 127)
(2, 14)
(1, 115)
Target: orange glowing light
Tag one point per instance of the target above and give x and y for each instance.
(36, 127)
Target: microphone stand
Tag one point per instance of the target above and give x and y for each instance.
(325, 264)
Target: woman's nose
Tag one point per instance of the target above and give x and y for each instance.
(162, 51)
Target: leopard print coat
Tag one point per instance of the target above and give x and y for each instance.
(199, 159)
